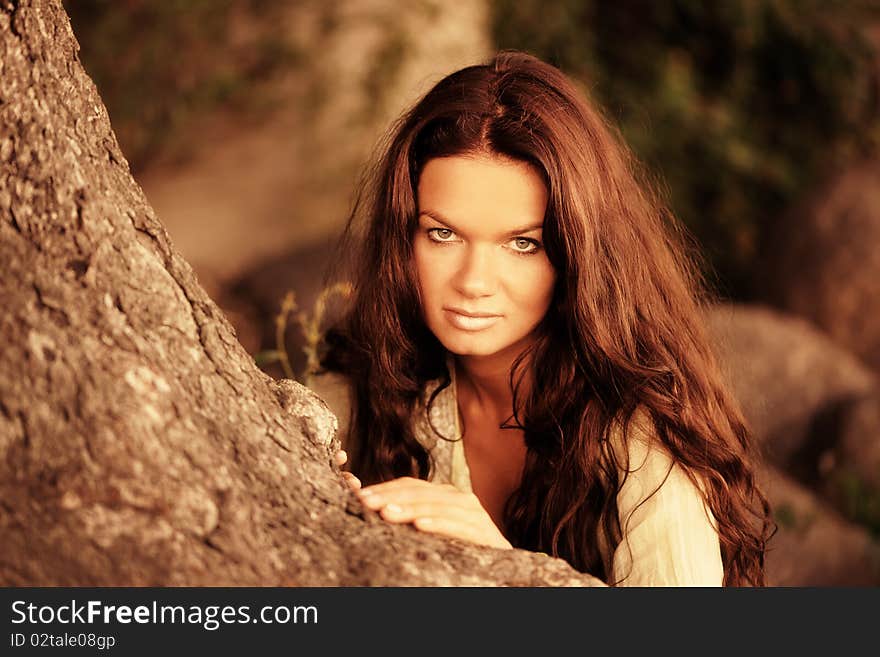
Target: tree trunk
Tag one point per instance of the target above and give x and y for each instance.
(140, 443)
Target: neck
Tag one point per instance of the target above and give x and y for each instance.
(483, 385)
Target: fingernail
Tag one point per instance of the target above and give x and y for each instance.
(365, 492)
(393, 508)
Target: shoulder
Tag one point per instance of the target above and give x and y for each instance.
(650, 477)
(669, 533)
(636, 446)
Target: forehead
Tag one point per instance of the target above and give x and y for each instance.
(483, 192)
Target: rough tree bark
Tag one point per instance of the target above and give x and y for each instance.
(140, 444)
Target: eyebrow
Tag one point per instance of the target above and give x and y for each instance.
(436, 216)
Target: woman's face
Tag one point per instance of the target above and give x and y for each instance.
(483, 274)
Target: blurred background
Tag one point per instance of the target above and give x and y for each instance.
(248, 123)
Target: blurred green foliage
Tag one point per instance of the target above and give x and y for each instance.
(740, 107)
(857, 500)
(160, 65)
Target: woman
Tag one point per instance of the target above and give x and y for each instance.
(522, 363)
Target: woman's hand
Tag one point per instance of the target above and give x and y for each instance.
(353, 482)
(434, 508)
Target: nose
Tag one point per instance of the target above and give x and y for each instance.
(477, 275)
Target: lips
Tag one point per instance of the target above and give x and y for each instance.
(468, 322)
(471, 314)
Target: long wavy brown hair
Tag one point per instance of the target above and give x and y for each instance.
(624, 329)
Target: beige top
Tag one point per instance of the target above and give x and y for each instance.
(669, 537)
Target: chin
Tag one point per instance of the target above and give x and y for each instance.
(474, 345)
(472, 351)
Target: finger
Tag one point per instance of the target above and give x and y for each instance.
(420, 498)
(453, 528)
(401, 513)
(404, 483)
(378, 495)
(353, 482)
(341, 457)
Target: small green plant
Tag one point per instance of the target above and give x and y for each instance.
(310, 325)
(858, 501)
(785, 516)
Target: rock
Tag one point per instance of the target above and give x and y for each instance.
(814, 545)
(813, 407)
(848, 470)
(785, 374)
(829, 268)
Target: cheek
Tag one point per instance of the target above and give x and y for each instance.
(531, 288)
(429, 272)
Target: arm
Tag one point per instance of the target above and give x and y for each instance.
(669, 535)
